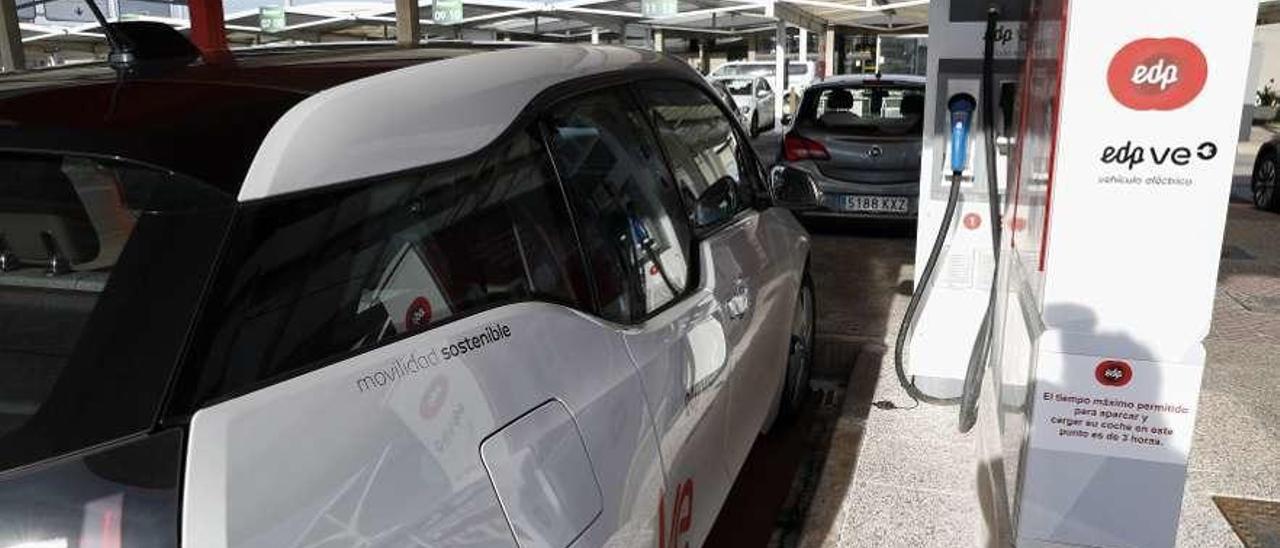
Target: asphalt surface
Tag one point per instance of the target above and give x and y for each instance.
(771, 499)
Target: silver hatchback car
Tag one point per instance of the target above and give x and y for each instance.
(858, 139)
(340, 304)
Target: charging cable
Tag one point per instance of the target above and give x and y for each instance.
(960, 107)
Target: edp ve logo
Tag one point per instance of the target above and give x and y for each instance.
(1130, 155)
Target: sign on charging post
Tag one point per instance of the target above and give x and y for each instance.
(1140, 175)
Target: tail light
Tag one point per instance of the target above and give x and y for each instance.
(796, 148)
(123, 496)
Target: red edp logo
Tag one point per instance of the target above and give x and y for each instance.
(1157, 73)
(1114, 373)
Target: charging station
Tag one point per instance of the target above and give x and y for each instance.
(1106, 135)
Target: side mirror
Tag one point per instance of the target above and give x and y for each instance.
(793, 189)
(715, 204)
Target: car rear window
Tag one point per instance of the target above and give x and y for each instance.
(311, 278)
(66, 225)
(738, 87)
(866, 110)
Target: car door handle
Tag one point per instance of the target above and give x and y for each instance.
(740, 302)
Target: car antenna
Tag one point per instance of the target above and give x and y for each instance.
(121, 54)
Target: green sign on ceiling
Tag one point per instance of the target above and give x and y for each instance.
(446, 12)
(659, 8)
(271, 18)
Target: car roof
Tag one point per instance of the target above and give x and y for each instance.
(855, 79)
(278, 120)
(202, 120)
(425, 114)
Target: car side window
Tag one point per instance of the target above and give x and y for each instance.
(310, 278)
(762, 85)
(628, 213)
(706, 155)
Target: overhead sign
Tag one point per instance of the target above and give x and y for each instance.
(271, 18)
(446, 12)
(659, 8)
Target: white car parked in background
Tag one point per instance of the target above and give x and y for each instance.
(551, 303)
(799, 75)
(754, 98)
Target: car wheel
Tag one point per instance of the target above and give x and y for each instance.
(1263, 183)
(800, 352)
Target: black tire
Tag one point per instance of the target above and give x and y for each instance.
(800, 352)
(1263, 185)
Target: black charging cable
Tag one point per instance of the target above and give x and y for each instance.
(981, 353)
(968, 398)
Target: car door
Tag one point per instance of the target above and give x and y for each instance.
(639, 251)
(748, 258)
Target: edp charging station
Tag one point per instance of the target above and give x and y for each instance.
(1116, 139)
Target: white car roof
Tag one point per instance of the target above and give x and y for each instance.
(420, 115)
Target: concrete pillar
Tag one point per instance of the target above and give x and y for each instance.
(12, 57)
(704, 56)
(829, 52)
(408, 28)
(779, 68)
(595, 35)
(753, 44)
(622, 34)
(657, 39)
(804, 45)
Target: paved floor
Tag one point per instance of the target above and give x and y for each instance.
(901, 476)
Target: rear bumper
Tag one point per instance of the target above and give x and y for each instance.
(834, 191)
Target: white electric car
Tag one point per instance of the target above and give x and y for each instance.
(453, 296)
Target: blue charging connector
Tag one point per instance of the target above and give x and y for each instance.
(961, 106)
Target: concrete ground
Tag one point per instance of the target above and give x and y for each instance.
(872, 470)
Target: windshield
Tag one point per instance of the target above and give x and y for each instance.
(66, 224)
(757, 69)
(867, 110)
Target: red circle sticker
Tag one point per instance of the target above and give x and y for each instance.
(419, 313)
(433, 398)
(1157, 73)
(972, 221)
(1115, 373)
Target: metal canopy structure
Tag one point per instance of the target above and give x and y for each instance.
(553, 20)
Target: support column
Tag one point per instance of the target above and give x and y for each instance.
(779, 68)
(829, 52)
(804, 45)
(753, 44)
(595, 35)
(208, 29)
(12, 57)
(408, 27)
(622, 34)
(704, 56)
(657, 39)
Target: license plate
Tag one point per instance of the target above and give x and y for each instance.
(877, 204)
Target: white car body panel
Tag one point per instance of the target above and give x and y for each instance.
(420, 115)
(313, 457)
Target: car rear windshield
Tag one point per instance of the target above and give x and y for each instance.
(866, 110)
(67, 224)
(758, 69)
(738, 87)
